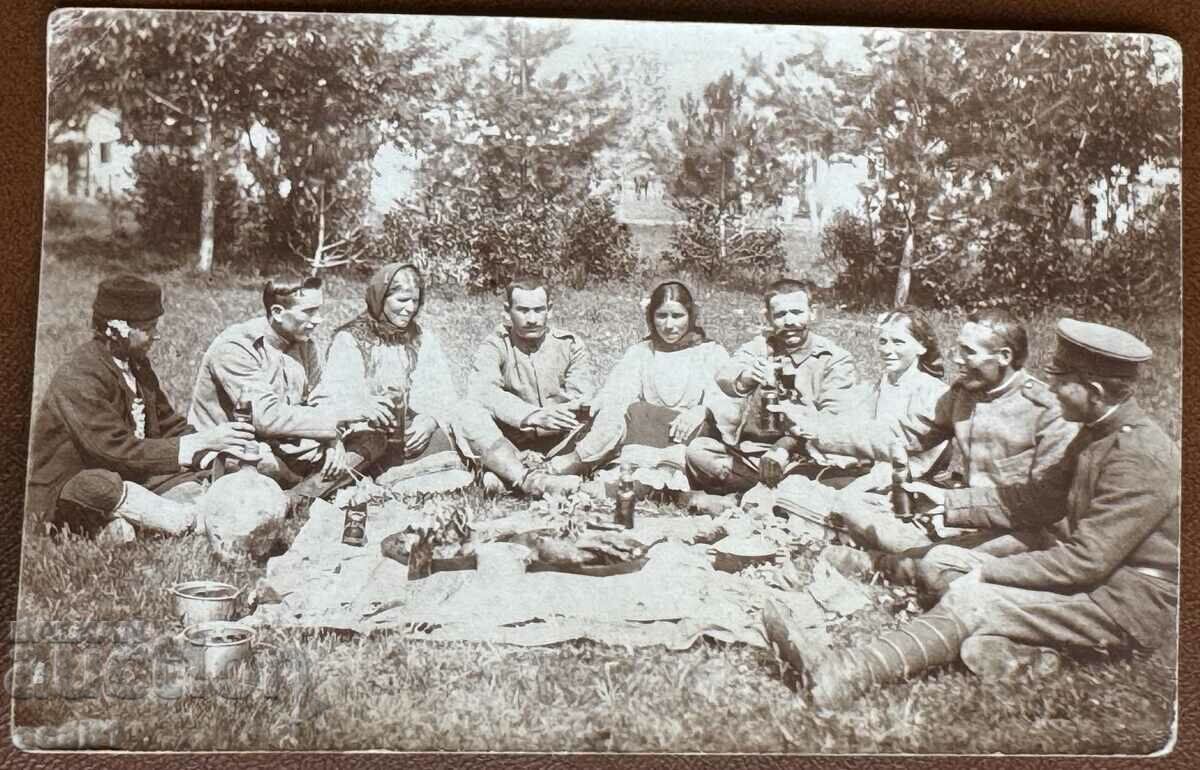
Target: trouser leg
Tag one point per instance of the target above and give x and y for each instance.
(940, 565)
(503, 459)
(94, 498)
(713, 467)
(362, 450)
(1011, 629)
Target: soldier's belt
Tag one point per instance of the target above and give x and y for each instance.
(1171, 576)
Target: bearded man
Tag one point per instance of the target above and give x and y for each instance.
(107, 452)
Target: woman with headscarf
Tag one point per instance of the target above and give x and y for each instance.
(385, 350)
(662, 392)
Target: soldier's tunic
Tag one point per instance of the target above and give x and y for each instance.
(1009, 435)
(511, 380)
(824, 376)
(1092, 558)
(249, 361)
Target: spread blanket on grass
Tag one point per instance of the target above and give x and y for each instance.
(675, 598)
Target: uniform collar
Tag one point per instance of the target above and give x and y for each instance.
(1014, 382)
(1125, 414)
(270, 338)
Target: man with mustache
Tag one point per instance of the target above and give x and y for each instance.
(530, 384)
(1086, 555)
(822, 375)
(272, 363)
(108, 454)
(1007, 426)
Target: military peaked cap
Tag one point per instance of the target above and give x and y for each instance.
(1097, 349)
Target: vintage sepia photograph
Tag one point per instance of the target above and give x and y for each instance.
(485, 384)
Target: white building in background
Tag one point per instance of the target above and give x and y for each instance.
(90, 161)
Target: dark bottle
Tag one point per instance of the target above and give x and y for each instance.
(768, 421)
(242, 412)
(901, 500)
(626, 497)
(399, 417)
(354, 531)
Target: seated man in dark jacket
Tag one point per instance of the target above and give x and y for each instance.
(1085, 556)
(107, 451)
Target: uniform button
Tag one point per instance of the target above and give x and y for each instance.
(1127, 429)
(1029, 384)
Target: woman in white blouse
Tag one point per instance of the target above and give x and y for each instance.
(910, 386)
(662, 392)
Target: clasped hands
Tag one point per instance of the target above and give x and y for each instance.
(556, 418)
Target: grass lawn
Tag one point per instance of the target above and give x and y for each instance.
(393, 692)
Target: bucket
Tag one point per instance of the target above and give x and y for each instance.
(216, 645)
(199, 600)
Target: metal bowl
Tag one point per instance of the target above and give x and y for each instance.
(199, 600)
(218, 644)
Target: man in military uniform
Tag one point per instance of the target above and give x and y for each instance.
(108, 453)
(530, 385)
(271, 362)
(1086, 555)
(818, 371)
(1006, 424)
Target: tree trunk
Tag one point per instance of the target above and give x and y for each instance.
(904, 276)
(208, 198)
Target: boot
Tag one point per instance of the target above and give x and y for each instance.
(503, 460)
(837, 678)
(934, 639)
(997, 657)
(153, 513)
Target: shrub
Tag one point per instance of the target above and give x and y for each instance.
(457, 241)
(864, 276)
(749, 255)
(166, 203)
(595, 244)
(1138, 273)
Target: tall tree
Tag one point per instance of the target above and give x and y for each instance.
(200, 81)
(723, 155)
(510, 149)
(982, 142)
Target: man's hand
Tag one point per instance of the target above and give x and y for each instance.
(335, 461)
(935, 497)
(760, 373)
(232, 437)
(556, 418)
(850, 503)
(417, 435)
(684, 427)
(800, 417)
